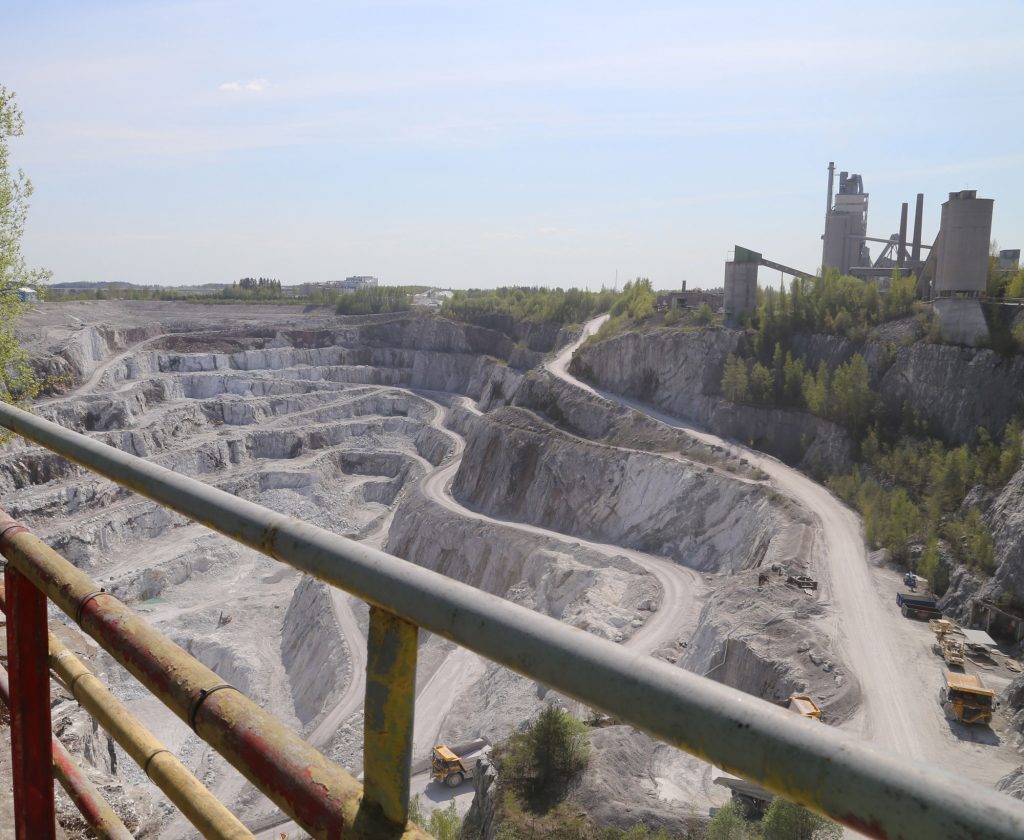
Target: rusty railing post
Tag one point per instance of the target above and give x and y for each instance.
(388, 714)
(31, 731)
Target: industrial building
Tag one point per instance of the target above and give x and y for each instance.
(846, 224)
(961, 267)
(358, 282)
(953, 277)
(691, 299)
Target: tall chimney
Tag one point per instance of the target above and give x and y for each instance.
(831, 178)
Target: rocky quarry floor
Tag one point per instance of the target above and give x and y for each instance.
(457, 450)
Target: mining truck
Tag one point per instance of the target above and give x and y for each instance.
(804, 706)
(965, 699)
(452, 766)
(918, 606)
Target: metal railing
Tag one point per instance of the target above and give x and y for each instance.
(816, 766)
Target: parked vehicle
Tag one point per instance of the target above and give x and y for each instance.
(918, 606)
(803, 581)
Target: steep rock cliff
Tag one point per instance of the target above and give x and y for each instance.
(516, 467)
(680, 373)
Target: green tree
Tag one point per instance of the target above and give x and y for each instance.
(728, 823)
(550, 754)
(375, 300)
(762, 383)
(818, 390)
(931, 567)
(785, 821)
(636, 301)
(17, 381)
(734, 379)
(853, 401)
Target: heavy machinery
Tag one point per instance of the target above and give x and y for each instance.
(452, 766)
(952, 650)
(803, 581)
(803, 706)
(965, 699)
(918, 606)
(949, 642)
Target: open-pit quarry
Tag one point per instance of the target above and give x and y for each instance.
(459, 450)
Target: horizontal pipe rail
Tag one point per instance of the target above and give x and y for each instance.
(95, 810)
(321, 797)
(818, 767)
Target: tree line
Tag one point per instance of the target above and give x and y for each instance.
(375, 300)
(527, 303)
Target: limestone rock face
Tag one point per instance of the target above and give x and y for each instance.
(315, 661)
(1006, 519)
(479, 820)
(681, 374)
(593, 592)
(954, 390)
(517, 468)
(1007, 522)
(1012, 784)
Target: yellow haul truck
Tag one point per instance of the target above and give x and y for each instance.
(966, 699)
(453, 766)
(803, 705)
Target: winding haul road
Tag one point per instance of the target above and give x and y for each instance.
(889, 656)
(842, 559)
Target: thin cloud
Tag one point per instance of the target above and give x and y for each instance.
(253, 86)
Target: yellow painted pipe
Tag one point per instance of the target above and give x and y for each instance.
(207, 813)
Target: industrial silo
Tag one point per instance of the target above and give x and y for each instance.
(962, 262)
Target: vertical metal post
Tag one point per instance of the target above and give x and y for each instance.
(31, 732)
(388, 714)
(901, 255)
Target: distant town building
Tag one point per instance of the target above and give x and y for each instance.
(358, 282)
(431, 299)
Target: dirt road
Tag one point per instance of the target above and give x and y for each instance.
(898, 673)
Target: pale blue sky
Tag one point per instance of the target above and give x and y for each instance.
(476, 144)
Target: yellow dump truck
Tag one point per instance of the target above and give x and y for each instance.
(452, 766)
(965, 699)
(804, 706)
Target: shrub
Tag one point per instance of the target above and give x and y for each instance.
(729, 824)
(785, 821)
